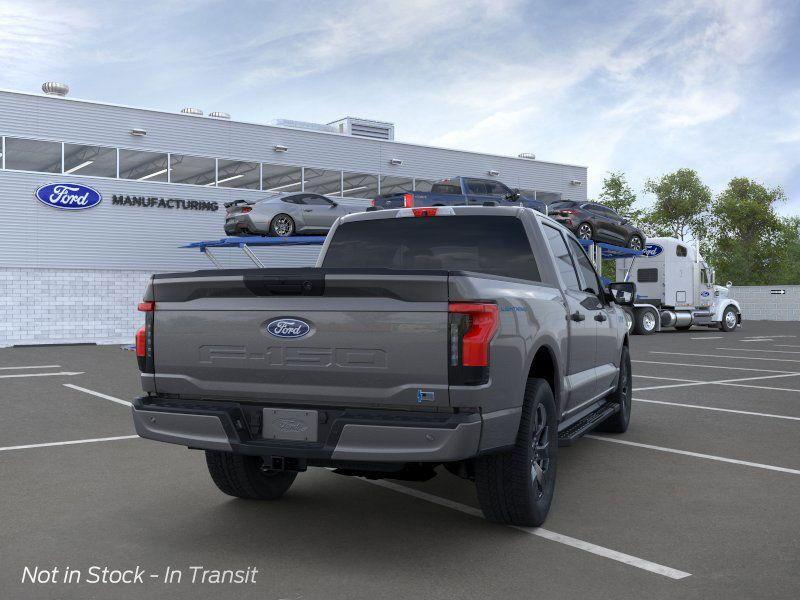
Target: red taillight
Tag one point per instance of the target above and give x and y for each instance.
(482, 322)
(246, 209)
(424, 212)
(372, 202)
(146, 306)
(141, 343)
(567, 212)
(408, 200)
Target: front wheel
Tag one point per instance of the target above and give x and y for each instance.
(281, 226)
(622, 395)
(516, 487)
(729, 320)
(246, 477)
(644, 322)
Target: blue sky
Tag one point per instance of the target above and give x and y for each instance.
(640, 87)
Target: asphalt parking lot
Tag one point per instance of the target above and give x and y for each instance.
(698, 500)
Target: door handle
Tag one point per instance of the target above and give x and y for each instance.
(308, 209)
(577, 316)
(600, 317)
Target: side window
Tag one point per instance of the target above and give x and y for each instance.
(585, 267)
(681, 250)
(497, 189)
(563, 260)
(476, 186)
(317, 200)
(295, 199)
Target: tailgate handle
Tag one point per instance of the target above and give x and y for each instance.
(282, 286)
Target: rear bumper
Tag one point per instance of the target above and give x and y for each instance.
(348, 435)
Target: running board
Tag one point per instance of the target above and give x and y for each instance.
(586, 424)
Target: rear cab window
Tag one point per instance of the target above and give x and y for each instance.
(446, 186)
(491, 245)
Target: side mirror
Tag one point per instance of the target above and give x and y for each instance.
(621, 292)
(729, 285)
(334, 204)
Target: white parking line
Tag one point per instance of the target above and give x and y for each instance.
(787, 346)
(733, 461)
(727, 410)
(98, 394)
(717, 382)
(667, 378)
(674, 364)
(724, 356)
(31, 367)
(16, 375)
(69, 443)
(757, 340)
(627, 559)
(759, 350)
(708, 337)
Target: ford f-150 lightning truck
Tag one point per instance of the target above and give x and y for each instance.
(477, 338)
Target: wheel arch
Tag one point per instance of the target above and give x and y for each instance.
(544, 365)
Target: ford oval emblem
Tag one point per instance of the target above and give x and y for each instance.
(68, 196)
(288, 328)
(652, 250)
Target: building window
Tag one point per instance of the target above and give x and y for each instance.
(396, 185)
(194, 170)
(33, 155)
(144, 166)
(359, 185)
(423, 185)
(90, 160)
(237, 174)
(320, 181)
(280, 178)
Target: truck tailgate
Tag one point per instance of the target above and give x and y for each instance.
(303, 336)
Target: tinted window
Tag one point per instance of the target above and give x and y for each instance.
(495, 188)
(33, 155)
(562, 204)
(294, 199)
(647, 275)
(90, 160)
(681, 250)
(585, 267)
(144, 166)
(492, 245)
(238, 174)
(196, 170)
(444, 187)
(477, 186)
(563, 260)
(316, 200)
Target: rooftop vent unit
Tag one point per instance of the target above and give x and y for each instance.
(376, 130)
(303, 125)
(192, 111)
(51, 88)
(527, 155)
(219, 115)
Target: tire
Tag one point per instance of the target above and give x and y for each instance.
(636, 243)
(622, 395)
(282, 225)
(516, 487)
(730, 320)
(584, 231)
(644, 322)
(628, 314)
(242, 476)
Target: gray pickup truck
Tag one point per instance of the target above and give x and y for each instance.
(478, 338)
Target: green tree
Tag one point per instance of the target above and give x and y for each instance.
(750, 242)
(681, 206)
(618, 196)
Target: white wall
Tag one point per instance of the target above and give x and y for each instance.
(760, 304)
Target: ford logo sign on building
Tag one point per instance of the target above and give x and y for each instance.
(652, 250)
(68, 196)
(288, 328)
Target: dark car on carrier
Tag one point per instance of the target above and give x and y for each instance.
(593, 221)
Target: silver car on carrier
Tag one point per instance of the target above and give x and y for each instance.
(285, 214)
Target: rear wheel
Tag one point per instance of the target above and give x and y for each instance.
(281, 226)
(729, 320)
(585, 231)
(244, 476)
(644, 322)
(516, 486)
(618, 422)
(635, 243)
